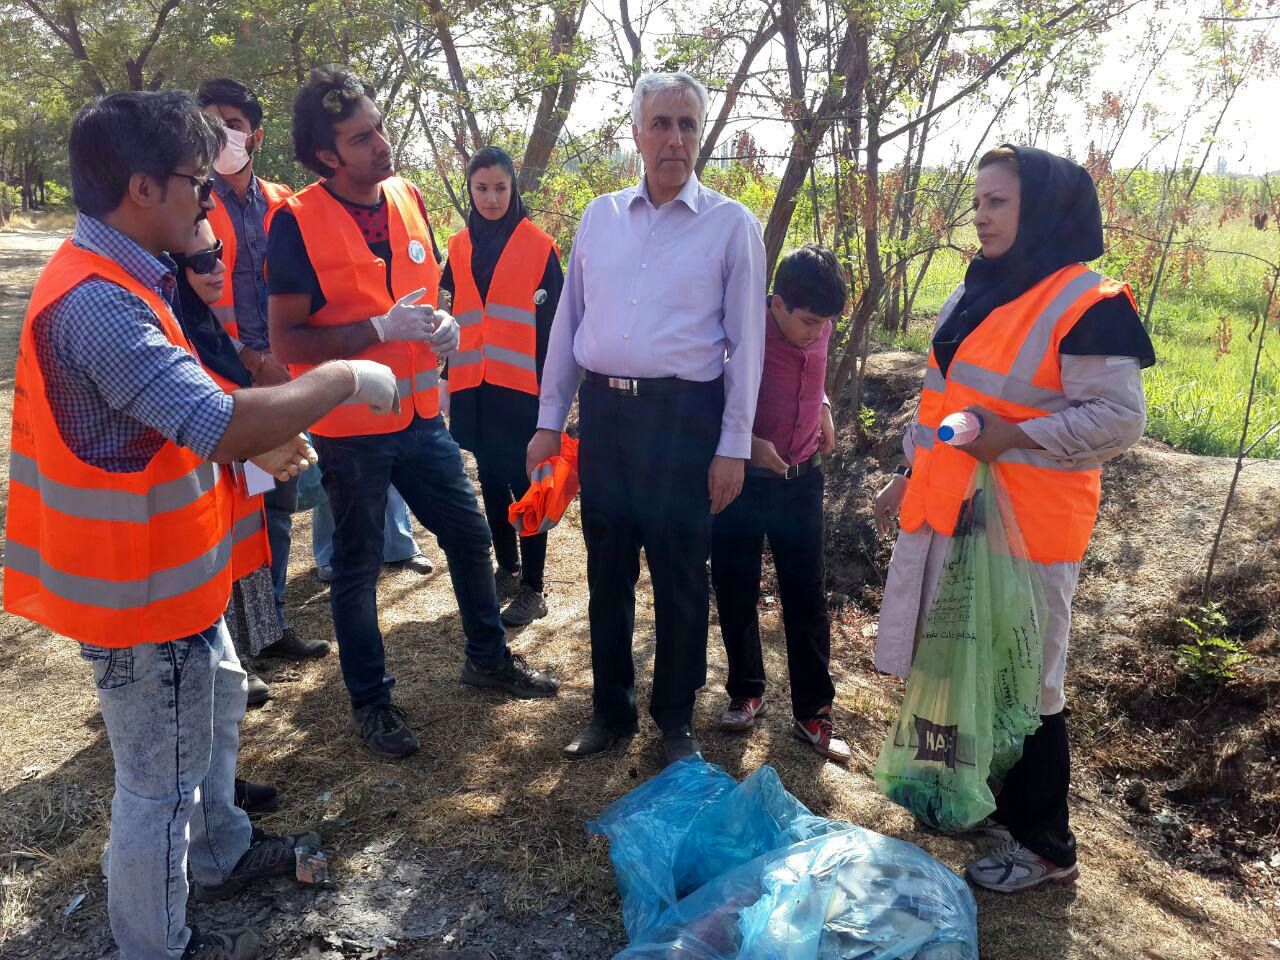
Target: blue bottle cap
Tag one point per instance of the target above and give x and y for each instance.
(946, 433)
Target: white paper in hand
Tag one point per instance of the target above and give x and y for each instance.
(257, 480)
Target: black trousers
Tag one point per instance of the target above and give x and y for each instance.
(502, 482)
(1033, 802)
(643, 465)
(789, 513)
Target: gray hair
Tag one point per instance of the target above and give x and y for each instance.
(652, 83)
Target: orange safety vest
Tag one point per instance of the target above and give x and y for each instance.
(251, 549)
(1010, 365)
(499, 339)
(225, 308)
(552, 487)
(354, 284)
(114, 559)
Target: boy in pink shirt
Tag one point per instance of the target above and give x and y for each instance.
(782, 499)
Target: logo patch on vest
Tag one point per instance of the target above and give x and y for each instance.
(936, 742)
(540, 297)
(417, 252)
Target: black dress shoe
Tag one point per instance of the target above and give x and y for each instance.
(678, 744)
(418, 563)
(290, 646)
(259, 692)
(597, 737)
(256, 798)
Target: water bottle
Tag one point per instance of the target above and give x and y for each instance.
(960, 428)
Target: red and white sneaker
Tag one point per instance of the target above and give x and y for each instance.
(742, 714)
(820, 734)
(1012, 868)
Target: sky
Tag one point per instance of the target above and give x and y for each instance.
(1249, 138)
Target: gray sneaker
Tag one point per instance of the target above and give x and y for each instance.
(383, 729)
(240, 943)
(527, 607)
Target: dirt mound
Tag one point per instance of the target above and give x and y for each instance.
(1192, 765)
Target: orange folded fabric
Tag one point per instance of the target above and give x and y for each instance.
(552, 488)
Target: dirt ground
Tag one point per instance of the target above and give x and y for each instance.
(475, 848)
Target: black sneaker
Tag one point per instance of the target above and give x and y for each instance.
(256, 798)
(383, 729)
(268, 857)
(290, 646)
(240, 943)
(527, 607)
(505, 582)
(514, 676)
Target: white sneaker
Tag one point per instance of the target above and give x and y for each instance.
(1012, 868)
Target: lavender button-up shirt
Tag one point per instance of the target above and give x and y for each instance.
(670, 291)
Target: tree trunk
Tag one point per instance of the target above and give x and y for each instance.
(456, 74)
(556, 101)
(765, 32)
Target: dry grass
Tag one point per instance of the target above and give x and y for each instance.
(55, 222)
(490, 787)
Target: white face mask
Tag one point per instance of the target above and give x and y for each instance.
(234, 157)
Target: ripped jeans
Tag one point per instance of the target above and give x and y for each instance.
(171, 711)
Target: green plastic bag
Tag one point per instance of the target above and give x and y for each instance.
(973, 693)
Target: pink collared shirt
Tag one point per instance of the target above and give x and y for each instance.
(670, 291)
(792, 391)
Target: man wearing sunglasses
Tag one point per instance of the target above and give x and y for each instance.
(240, 204)
(354, 274)
(120, 533)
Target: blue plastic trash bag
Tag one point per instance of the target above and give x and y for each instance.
(709, 869)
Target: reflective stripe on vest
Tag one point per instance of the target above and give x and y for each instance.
(354, 283)
(499, 337)
(113, 559)
(220, 220)
(115, 505)
(1009, 364)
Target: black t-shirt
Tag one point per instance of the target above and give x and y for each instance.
(1110, 328)
(289, 268)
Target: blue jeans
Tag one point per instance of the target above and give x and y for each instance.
(172, 712)
(425, 466)
(280, 504)
(397, 533)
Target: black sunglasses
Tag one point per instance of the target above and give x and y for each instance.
(336, 99)
(203, 185)
(202, 261)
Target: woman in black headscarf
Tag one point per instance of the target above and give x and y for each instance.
(505, 279)
(1049, 355)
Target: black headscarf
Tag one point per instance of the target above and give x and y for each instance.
(1059, 223)
(489, 237)
(212, 342)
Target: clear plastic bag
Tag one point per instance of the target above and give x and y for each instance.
(973, 693)
(710, 869)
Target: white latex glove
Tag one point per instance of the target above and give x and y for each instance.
(407, 320)
(375, 385)
(446, 335)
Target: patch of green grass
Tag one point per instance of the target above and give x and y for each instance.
(1198, 389)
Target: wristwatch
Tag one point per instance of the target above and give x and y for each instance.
(902, 470)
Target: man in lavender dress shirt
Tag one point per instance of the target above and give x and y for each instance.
(660, 323)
